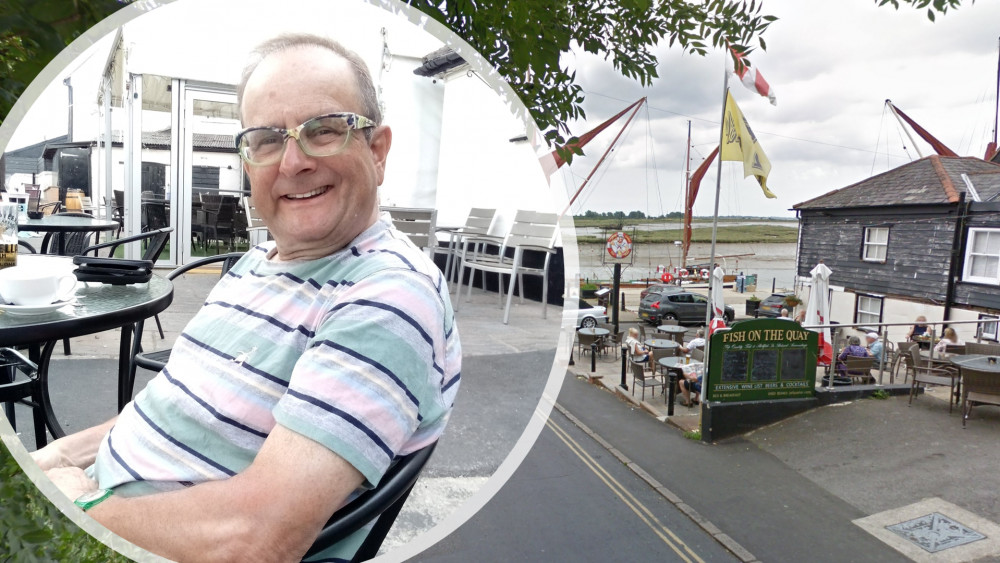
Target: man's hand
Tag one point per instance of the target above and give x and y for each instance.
(50, 457)
(72, 481)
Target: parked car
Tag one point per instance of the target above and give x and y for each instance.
(682, 306)
(772, 305)
(658, 289)
(587, 315)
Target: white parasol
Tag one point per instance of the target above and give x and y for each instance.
(818, 311)
(718, 302)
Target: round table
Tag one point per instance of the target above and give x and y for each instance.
(594, 331)
(64, 224)
(97, 308)
(661, 343)
(675, 331)
(977, 362)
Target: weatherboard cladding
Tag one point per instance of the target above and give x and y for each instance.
(917, 256)
(930, 180)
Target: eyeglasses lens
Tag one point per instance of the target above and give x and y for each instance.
(322, 136)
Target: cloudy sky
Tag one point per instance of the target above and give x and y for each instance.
(832, 68)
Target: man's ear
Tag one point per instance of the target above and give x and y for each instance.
(379, 145)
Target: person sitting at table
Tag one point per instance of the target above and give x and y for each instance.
(874, 346)
(949, 336)
(637, 350)
(853, 349)
(785, 315)
(690, 386)
(697, 342)
(315, 362)
(919, 328)
(800, 317)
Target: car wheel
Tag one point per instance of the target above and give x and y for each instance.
(668, 317)
(588, 322)
(728, 318)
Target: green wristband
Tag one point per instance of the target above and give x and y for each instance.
(92, 499)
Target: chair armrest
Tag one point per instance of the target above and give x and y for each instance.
(548, 249)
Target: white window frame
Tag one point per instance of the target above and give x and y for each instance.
(869, 247)
(988, 331)
(970, 256)
(876, 313)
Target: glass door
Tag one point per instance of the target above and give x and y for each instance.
(211, 217)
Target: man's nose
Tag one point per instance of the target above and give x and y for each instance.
(294, 160)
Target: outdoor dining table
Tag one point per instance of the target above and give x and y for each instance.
(977, 361)
(661, 343)
(594, 331)
(60, 224)
(94, 308)
(675, 331)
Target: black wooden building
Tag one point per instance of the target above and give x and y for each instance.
(917, 233)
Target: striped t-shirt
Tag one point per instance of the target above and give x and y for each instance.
(358, 351)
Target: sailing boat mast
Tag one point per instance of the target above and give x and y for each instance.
(687, 193)
(996, 113)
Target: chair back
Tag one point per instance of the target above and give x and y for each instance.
(479, 221)
(658, 353)
(670, 322)
(381, 504)
(416, 223)
(637, 369)
(958, 349)
(859, 365)
(982, 348)
(532, 228)
(253, 216)
(981, 382)
(586, 339)
(697, 354)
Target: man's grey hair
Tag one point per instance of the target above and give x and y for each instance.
(366, 87)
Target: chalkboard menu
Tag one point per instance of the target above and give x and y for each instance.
(761, 359)
(734, 365)
(765, 365)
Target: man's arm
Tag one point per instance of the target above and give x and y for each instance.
(75, 450)
(270, 512)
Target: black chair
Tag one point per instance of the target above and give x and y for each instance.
(71, 243)
(19, 383)
(381, 504)
(27, 246)
(154, 361)
(155, 242)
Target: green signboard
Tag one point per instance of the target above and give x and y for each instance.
(762, 359)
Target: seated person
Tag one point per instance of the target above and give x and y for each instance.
(949, 337)
(919, 328)
(697, 342)
(321, 356)
(637, 350)
(800, 317)
(785, 315)
(854, 349)
(874, 346)
(690, 386)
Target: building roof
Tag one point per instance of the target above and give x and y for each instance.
(27, 160)
(928, 181)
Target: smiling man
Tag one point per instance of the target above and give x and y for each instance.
(318, 359)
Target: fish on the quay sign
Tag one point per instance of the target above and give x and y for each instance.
(762, 359)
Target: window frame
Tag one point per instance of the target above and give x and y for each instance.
(866, 244)
(967, 264)
(857, 304)
(983, 332)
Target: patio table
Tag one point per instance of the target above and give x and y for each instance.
(675, 331)
(95, 308)
(661, 343)
(57, 224)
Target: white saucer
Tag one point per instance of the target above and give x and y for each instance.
(34, 309)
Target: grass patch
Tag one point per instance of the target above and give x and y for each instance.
(693, 435)
(726, 233)
(880, 394)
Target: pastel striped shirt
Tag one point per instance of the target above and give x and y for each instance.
(358, 351)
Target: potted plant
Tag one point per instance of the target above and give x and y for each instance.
(752, 304)
(792, 301)
(587, 290)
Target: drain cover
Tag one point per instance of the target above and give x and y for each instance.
(935, 532)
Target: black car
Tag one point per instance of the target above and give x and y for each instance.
(772, 305)
(682, 306)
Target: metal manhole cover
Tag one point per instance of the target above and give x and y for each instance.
(935, 532)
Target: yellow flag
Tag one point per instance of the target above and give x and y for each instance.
(739, 144)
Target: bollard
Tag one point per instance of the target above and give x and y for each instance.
(593, 357)
(624, 361)
(671, 395)
(621, 306)
(571, 362)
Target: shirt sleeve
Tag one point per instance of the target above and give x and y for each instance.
(371, 374)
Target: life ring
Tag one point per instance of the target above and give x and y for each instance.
(704, 273)
(667, 277)
(683, 273)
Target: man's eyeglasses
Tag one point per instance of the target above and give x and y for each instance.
(325, 135)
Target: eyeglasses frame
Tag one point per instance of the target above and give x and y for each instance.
(354, 121)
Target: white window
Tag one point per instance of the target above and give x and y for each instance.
(982, 256)
(869, 310)
(876, 244)
(988, 331)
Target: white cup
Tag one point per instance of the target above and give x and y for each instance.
(34, 287)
